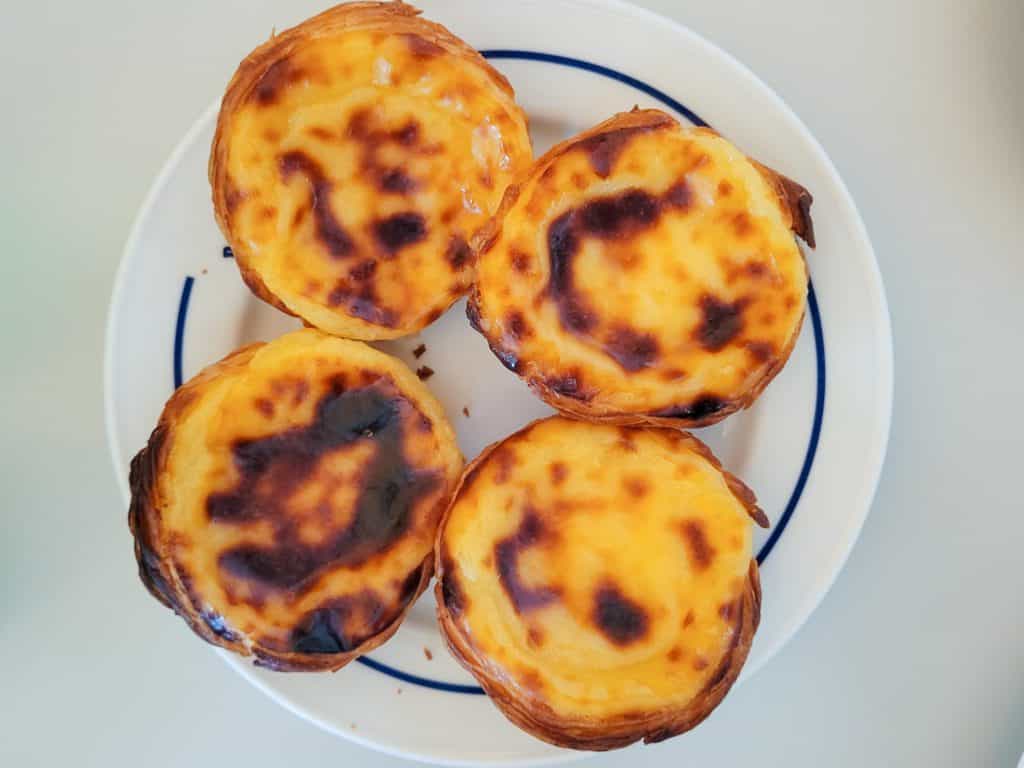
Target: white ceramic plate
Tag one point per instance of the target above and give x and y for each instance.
(812, 447)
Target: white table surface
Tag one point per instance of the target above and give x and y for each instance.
(917, 655)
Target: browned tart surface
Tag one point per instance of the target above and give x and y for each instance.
(287, 502)
(597, 580)
(645, 272)
(355, 155)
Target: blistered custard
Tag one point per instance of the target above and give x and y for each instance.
(643, 272)
(355, 156)
(287, 502)
(598, 581)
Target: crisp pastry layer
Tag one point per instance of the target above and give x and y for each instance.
(287, 502)
(354, 157)
(643, 272)
(597, 580)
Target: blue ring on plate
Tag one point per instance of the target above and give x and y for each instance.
(812, 303)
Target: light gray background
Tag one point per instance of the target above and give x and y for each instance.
(915, 658)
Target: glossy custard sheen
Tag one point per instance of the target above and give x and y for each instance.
(287, 502)
(598, 580)
(355, 156)
(644, 271)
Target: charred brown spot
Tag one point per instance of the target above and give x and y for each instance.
(619, 215)
(756, 269)
(724, 188)
(517, 325)
(268, 212)
(636, 486)
(535, 637)
(742, 224)
(410, 585)
(504, 459)
(529, 534)
(620, 619)
(458, 253)
(675, 654)
(610, 218)
(698, 161)
(520, 261)
(473, 313)
(407, 135)
(569, 385)
(424, 372)
(422, 48)
(359, 125)
(395, 181)
(342, 624)
(390, 179)
(298, 217)
(700, 663)
(672, 374)
(701, 408)
(364, 270)
(451, 590)
(264, 406)
(761, 351)
(683, 470)
(530, 680)
(563, 242)
(274, 80)
(399, 230)
(721, 322)
(328, 229)
(701, 551)
(631, 349)
(688, 620)
(603, 149)
(297, 388)
(679, 195)
(321, 133)
(559, 471)
(418, 352)
(361, 301)
(272, 469)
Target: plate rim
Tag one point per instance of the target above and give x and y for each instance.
(810, 453)
(881, 421)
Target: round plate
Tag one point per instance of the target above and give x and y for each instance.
(812, 446)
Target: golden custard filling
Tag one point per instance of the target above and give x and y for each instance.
(356, 160)
(597, 571)
(643, 268)
(301, 492)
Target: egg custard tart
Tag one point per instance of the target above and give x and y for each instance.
(597, 580)
(643, 272)
(287, 502)
(354, 157)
